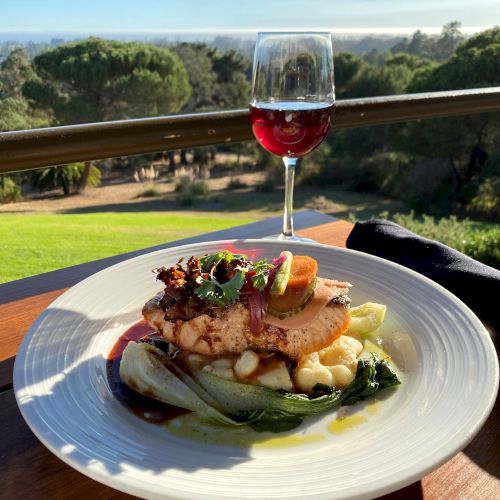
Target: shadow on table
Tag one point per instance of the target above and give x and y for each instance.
(479, 450)
(412, 492)
(6, 367)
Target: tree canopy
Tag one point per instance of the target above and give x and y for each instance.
(219, 80)
(439, 49)
(16, 112)
(96, 80)
(15, 70)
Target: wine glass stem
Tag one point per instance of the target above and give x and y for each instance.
(290, 164)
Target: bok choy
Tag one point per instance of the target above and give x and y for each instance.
(150, 371)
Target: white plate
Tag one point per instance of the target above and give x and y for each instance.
(446, 358)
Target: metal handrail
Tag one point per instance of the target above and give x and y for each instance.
(30, 149)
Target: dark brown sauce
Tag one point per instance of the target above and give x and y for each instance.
(142, 406)
(150, 409)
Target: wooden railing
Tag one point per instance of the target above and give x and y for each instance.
(30, 149)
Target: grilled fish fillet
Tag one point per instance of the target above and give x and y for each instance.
(227, 330)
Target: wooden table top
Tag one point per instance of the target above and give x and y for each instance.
(29, 470)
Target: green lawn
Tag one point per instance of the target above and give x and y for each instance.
(36, 243)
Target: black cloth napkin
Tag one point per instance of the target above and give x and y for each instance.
(476, 284)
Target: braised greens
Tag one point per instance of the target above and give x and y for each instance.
(226, 402)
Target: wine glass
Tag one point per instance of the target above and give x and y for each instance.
(292, 103)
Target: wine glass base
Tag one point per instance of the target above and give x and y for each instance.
(281, 237)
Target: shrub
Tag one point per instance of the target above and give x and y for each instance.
(235, 183)
(430, 187)
(65, 176)
(149, 192)
(267, 186)
(188, 186)
(10, 192)
(200, 188)
(486, 203)
(387, 172)
(483, 246)
(189, 190)
(185, 200)
(479, 241)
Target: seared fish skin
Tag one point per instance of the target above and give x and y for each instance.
(227, 330)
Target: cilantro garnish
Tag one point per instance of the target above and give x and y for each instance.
(262, 269)
(208, 262)
(221, 294)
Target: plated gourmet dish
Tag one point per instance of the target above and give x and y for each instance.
(264, 344)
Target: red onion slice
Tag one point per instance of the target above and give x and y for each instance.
(257, 308)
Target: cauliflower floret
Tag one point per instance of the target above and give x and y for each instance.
(246, 364)
(219, 371)
(276, 378)
(342, 375)
(310, 372)
(222, 363)
(334, 366)
(343, 351)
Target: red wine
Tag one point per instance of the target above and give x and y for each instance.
(290, 128)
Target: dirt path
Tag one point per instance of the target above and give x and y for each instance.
(117, 194)
(245, 201)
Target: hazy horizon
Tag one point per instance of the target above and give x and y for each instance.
(48, 35)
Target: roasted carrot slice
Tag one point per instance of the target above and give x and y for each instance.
(302, 272)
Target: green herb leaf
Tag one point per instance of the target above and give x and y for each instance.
(262, 268)
(221, 294)
(208, 262)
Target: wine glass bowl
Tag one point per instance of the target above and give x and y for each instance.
(290, 130)
(292, 100)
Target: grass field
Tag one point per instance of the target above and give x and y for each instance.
(36, 243)
(41, 237)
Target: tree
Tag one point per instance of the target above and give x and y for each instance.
(419, 45)
(449, 40)
(15, 70)
(347, 67)
(219, 81)
(464, 143)
(97, 80)
(353, 149)
(391, 78)
(233, 89)
(198, 61)
(67, 177)
(439, 48)
(16, 112)
(475, 64)
(410, 61)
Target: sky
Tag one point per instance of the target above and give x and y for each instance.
(164, 16)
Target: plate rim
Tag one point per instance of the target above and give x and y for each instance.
(112, 482)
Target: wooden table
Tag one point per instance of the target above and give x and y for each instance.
(29, 470)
